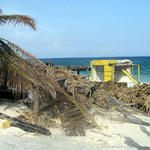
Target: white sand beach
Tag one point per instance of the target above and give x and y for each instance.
(114, 135)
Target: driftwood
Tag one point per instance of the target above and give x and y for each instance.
(26, 126)
(82, 86)
(13, 101)
(61, 81)
(137, 96)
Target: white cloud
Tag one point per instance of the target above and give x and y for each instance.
(57, 46)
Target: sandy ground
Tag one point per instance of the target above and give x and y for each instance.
(114, 135)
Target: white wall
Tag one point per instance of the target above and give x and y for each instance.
(98, 73)
(121, 77)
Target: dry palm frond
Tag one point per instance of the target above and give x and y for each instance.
(24, 72)
(17, 19)
(73, 121)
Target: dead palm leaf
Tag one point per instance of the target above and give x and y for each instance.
(18, 19)
(31, 70)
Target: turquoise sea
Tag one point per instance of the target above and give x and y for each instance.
(143, 61)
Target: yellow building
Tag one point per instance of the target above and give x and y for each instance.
(114, 70)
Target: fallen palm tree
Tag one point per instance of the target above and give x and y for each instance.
(24, 74)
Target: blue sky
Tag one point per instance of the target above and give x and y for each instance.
(81, 28)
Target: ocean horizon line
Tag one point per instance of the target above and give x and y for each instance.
(94, 57)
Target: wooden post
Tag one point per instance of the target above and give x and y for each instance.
(138, 73)
(113, 73)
